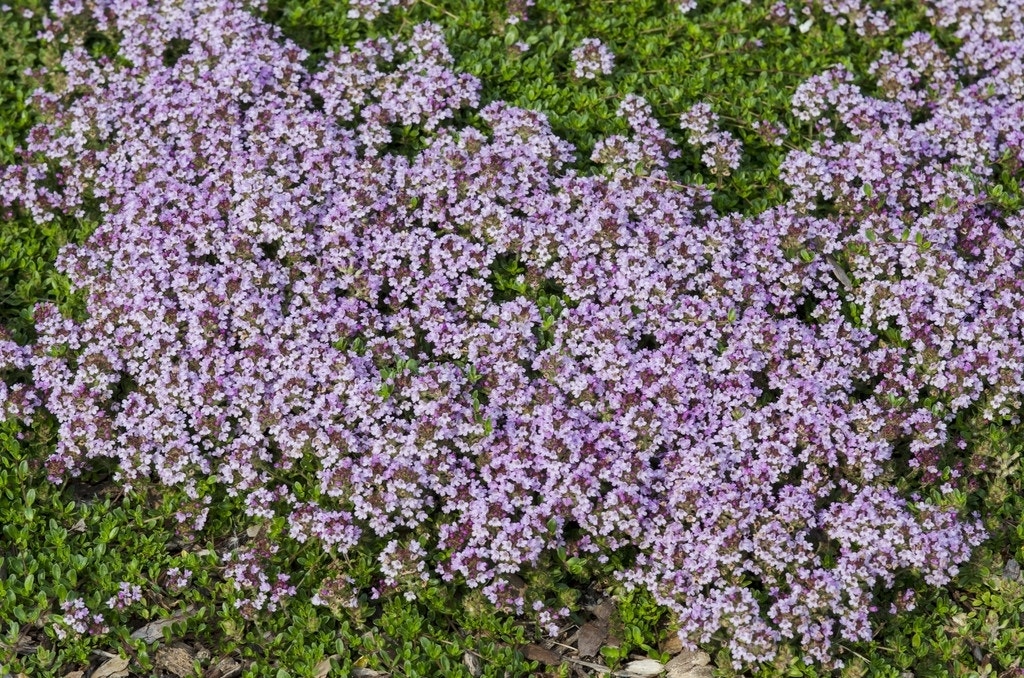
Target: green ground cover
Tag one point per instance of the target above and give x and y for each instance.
(87, 536)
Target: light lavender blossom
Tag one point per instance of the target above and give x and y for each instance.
(591, 59)
(77, 619)
(177, 579)
(127, 595)
(721, 151)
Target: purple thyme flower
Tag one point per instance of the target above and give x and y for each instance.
(592, 58)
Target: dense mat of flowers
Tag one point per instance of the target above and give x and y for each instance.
(483, 353)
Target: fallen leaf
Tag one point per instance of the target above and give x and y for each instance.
(112, 668)
(672, 645)
(472, 663)
(176, 660)
(536, 653)
(360, 672)
(324, 666)
(689, 665)
(225, 668)
(604, 610)
(154, 630)
(25, 645)
(839, 272)
(688, 659)
(695, 672)
(591, 637)
(644, 667)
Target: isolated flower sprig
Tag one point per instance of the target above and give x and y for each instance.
(722, 151)
(592, 58)
(479, 338)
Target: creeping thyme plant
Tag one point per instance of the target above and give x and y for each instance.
(367, 316)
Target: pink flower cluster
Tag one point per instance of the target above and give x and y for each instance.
(591, 58)
(517, 10)
(17, 399)
(177, 579)
(385, 83)
(371, 9)
(771, 132)
(650, 147)
(77, 619)
(865, 19)
(336, 592)
(781, 14)
(686, 6)
(127, 595)
(256, 590)
(483, 348)
(721, 150)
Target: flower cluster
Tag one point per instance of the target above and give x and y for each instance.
(864, 19)
(387, 83)
(517, 10)
(399, 564)
(17, 399)
(177, 579)
(78, 619)
(781, 14)
(371, 9)
(721, 151)
(650, 147)
(127, 595)
(549, 618)
(336, 592)
(592, 58)
(771, 132)
(486, 354)
(256, 590)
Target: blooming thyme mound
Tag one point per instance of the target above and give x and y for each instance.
(483, 353)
